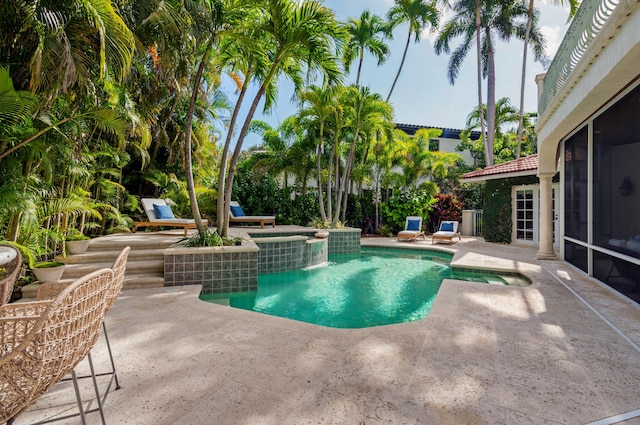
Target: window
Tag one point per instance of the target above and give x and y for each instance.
(616, 176)
(575, 190)
(434, 145)
(525, 215)
(608, 229)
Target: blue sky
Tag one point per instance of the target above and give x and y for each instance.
(423, 95)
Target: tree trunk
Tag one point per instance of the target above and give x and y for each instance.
(323, 214)
(220, 205)
(491, 98)
(346, 176)
(187, 141)
(404, 56)
(480, 109)
(236, 152)
(527, 34)
(329, 179)
(360, 66)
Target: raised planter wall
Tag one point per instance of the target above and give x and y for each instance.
(219, 270)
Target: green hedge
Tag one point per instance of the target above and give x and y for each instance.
(497, 223)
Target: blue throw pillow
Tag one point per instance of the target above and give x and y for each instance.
(163, 212)
(237, 211)
(413, 225)
(446, 227)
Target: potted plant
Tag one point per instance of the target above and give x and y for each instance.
(48, 271)
(75, 242)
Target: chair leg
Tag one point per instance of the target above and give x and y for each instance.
(113, 365)
(95, 388)
(78, 398)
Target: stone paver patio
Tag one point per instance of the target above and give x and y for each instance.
(484, 355)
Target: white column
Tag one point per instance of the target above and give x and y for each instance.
(545, 250)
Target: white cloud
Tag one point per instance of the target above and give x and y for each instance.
(554, 37)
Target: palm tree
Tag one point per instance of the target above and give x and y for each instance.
(367, 33)
(320, 104)
(366, 113)
(213, 17)
(502, 19)
(505, 134)
(573, 8)
(275, 157)
(52, 44)
(418, 15)
(300, 35)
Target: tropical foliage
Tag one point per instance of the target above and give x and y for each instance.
(102, 103)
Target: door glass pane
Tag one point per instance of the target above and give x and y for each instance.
(524, 215)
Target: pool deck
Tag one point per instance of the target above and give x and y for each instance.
(564, 350)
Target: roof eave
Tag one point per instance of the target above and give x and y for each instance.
(482, 179)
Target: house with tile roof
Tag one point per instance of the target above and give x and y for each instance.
(520, 221)
(447, 142)
(588, 178)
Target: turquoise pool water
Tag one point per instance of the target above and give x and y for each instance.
(376, 287)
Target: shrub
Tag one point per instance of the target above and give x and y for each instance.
(411, 203)
(446, 207)
(496, 216)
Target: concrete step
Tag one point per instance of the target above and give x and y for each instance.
(137, 241)
(96, 256)
(145, 264)
(74, 271)
(151, 280)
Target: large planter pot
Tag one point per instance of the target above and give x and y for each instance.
(48, 274)
(77, 247)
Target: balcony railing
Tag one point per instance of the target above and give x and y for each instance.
(585, 26)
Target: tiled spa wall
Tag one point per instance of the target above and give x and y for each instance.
(341, 241)
(344, 241)
(284, 253)
(218, 270)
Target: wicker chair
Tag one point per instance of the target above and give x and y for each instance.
(50, 289)
(42, 341)
(9, 274)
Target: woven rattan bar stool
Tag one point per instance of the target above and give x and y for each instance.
(42, 341)
(49, 290)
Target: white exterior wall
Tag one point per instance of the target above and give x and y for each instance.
(449, 146)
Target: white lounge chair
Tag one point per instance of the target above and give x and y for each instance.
(412, 229)
(238, 216)
(448, 230)
(160, 214)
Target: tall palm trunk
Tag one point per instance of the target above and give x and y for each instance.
(236, 152)
(404, 56)
(220, 205)
(360, 65)
(323, 214)
(329, 178)
(491, 97)
(524, 76)
(346, 176)
(479, 54)
(187, 140)
(339, 183)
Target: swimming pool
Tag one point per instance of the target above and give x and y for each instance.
(373, 288)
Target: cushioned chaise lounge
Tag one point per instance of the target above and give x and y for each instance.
(448, 230)
(238, 216)
(160, 214)
(412, 229)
